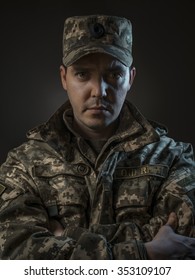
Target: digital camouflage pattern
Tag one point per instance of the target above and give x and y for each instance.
(109, 204)
(97, 33)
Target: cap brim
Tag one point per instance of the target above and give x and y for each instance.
(122, 55)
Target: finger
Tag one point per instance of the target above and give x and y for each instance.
(56, 228)
(172, 220)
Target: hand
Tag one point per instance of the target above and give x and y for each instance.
(167, 245)
(56, 228)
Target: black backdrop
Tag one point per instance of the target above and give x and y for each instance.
(30, 55)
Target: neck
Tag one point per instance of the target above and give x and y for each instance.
(94, 133)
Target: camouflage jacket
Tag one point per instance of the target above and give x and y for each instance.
(108, 204)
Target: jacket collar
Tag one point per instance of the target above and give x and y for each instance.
(134, 132)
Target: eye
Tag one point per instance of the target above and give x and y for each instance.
(82, 75)
(115, 75)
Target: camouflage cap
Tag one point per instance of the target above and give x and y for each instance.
(97, 33)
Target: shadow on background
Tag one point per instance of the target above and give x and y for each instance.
(30, 50)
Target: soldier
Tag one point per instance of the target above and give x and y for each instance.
(98, 180)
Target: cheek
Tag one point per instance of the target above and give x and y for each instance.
(80, 90)
(72, 86)
(120, 95)
(122, 88)
(120, 100)
(77, 96)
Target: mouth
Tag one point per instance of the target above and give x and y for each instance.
(98, 109)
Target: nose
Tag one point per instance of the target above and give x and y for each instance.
(99, 88)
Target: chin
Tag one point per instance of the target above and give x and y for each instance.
(97, 126)
(97, 123)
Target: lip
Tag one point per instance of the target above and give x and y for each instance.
(98, 110)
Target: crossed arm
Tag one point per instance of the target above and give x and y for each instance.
(165, 245)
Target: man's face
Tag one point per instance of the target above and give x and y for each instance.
(97, 85)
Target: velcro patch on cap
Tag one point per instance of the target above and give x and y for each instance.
(2, 188)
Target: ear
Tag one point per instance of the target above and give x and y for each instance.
(63, 72)
(132, 75)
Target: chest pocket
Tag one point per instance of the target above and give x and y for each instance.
(64, 194)
(134, 189)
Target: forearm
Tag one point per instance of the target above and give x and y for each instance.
(27, 240)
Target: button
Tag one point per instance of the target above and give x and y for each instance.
(82, 169)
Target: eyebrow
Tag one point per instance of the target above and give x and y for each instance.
(114, 67)
(78, 67)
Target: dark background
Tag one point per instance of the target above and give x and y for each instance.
(30, 56)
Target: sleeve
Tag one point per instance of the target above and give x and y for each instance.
(177, 194)
(25, 225)
(25, 234)
(25, 228)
